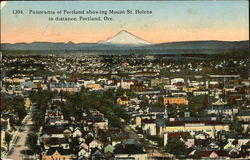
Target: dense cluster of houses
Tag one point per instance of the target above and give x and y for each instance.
(210, 136)
(59, 139)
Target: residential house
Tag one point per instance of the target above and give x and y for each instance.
(123, 100)
(57, 154)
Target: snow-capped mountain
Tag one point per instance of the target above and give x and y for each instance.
(125, 38)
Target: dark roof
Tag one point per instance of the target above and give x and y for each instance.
(55, 141)
(156, 109)
(181, 123)
(96, 152)
(148, 120)
(206, 153)
(62, 151)
(178, 134)
(128, 149)
(220, 107)
(243, 113)
(53, 130)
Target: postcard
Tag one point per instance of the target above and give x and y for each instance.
(112, 80)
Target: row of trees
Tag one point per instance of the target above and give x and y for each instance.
(14, 104)
(79, 103)
(83, 101)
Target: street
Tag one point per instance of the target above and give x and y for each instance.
(19, 146)
(152, 150)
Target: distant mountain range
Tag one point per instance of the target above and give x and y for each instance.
(125, 40)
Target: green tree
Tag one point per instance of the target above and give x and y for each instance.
(144, 103)
(175, 146)
(32, 141)
(236, 125)
(196, 105)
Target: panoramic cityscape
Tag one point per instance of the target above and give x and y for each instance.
(121, 93)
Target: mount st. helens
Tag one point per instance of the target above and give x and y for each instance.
(126, 42)
(125, 38)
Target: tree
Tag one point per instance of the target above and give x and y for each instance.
(8, 138)
(32, 141)
(144, 103)
(236, 126)
(197, 104)
(175, 146)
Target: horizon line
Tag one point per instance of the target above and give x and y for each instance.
(111, 44)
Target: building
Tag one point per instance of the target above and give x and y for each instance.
(124, 100)
(57, 153)
(157, 82)
(63, 86)
(221, 109)
(200, 92)
(243, 116)
(94, 86)
(211, 127)
(149, 127)
(175, 100)
(138, 87)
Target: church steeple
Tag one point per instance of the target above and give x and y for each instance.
(165, 116)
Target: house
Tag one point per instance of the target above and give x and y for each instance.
(83, 153)
(63, 86)
(243, 115)
(109, 148)
(96, 154)
(200, 92)
(211, 154)
(176, 80)
(125, 84)
(53, 131)
(123, 100)
(149, 127)
(221, 109)
(84, 145)
(175, 100)
(129, 152)
(57, 153)
(51, 142)
(77, 132)
(93, 142)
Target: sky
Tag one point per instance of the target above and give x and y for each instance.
(170, 21)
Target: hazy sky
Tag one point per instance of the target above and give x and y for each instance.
(170, 21)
